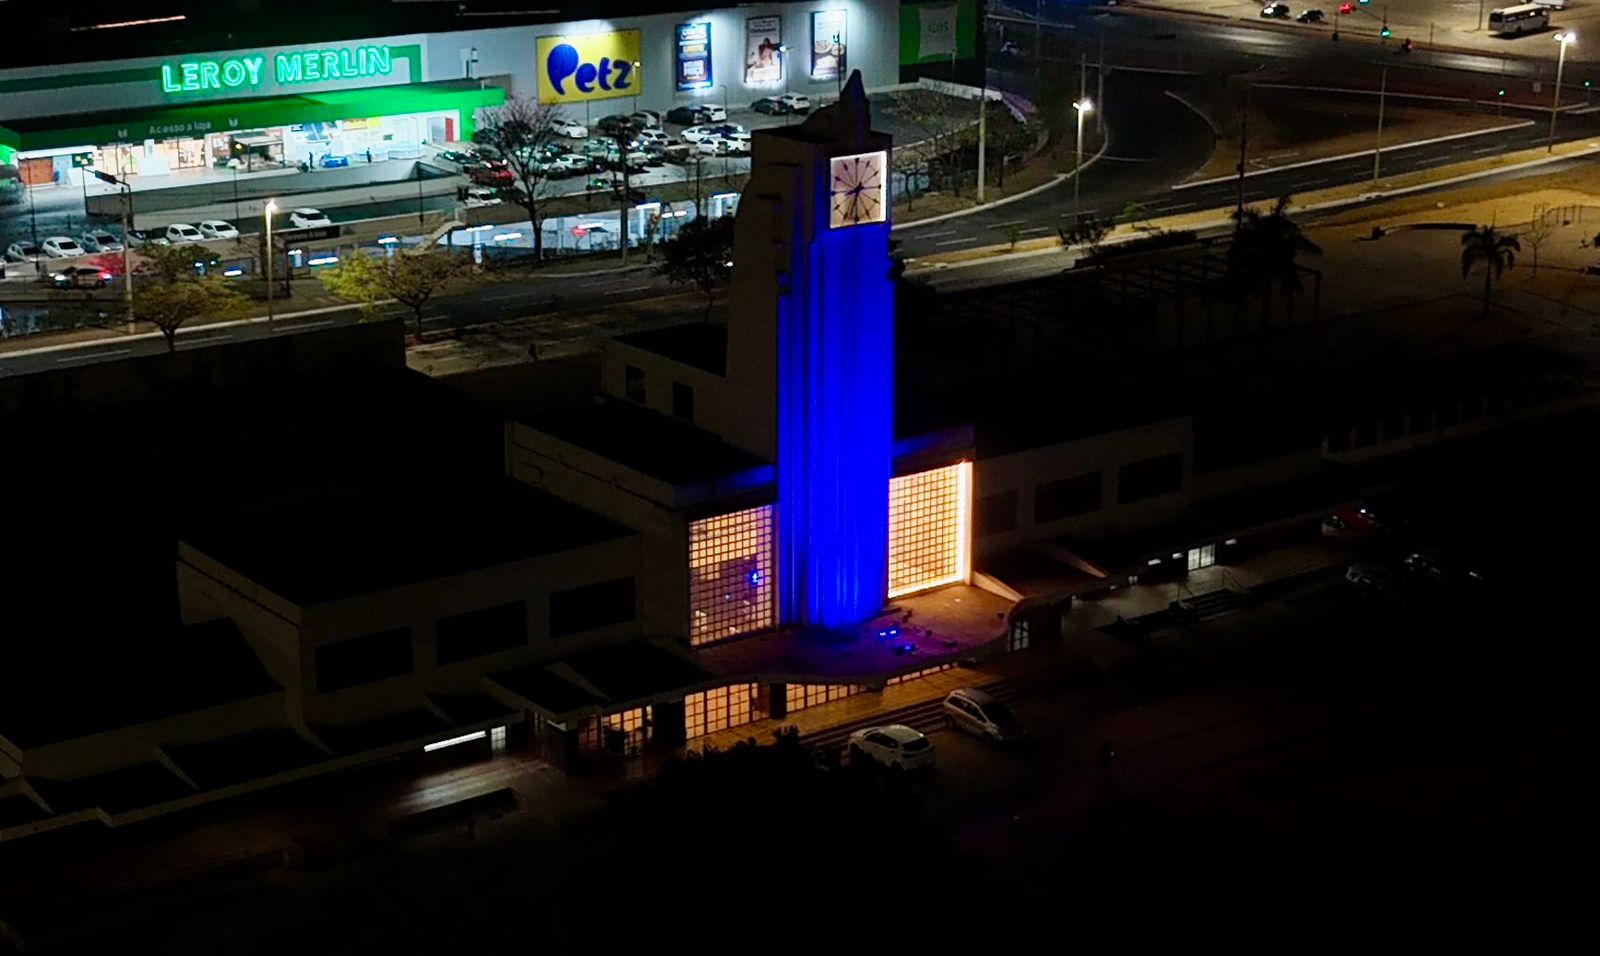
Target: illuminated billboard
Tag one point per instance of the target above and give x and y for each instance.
(596, 66)
(828, 40)
(763, 51)
(694, 56)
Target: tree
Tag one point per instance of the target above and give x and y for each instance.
(1263, 253)
(522, 130)
(169, 264)
(410, 278)
(1134, 211)
(625, 133)
(1538, 231)
(933, 114)
(700, 255)
(1005, 137)
(168, 305)
(1497, 252)
(911, 166)
(1089, 230)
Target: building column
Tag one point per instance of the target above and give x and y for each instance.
(777, 701)
(666, 725)
(558, 747)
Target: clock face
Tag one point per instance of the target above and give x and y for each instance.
(857, 185)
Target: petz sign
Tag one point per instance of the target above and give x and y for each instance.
(597, 66)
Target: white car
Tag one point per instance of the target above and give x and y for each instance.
(480, 196)
(308, 218)
(714, 146)
(24, 252)
(695, 134)
(571, 163)
(737, 142)
(63, 247)
(99, 240)
(797, 102)
(895, 746)
(651, 137)
(569, 129)
(183, 232)
(978, 713)
(218, 229)
(1373, 579)
(713, 114)
(647, 119)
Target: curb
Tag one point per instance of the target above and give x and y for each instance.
(1057, 180)
(146, 336)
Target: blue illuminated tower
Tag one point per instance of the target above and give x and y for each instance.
(813, 335)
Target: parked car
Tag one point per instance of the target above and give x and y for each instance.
(634, 161)
(616, 123)
(678, 153)
(687, 115)
(493, 173)
(713, 113)
(654, 155)
(138, 237)
(646, 119)
(1309, 16)
(569, 129)
(1276, 11)
(1373, 579)
(99, 240)
(63, 247)
(218, 229)
(460, 157)
(80, 277)
(24, 252)
(183, 232)
(307, 218)
(330, 161)
(713, 146)
(895, 746)
(978, 713)
(695, 134)
(1443, 567)
(651, 137)
(1350, 523)
(480, 196)
(571, 164)
(738, 143)
(770, 105)
(797, 102)
(1010, 48)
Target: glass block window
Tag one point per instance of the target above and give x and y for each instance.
(720, 709)
(1020, 636)
(732, 585)
(622, 734)
(926, 671)
(801, 696)
(930, 525)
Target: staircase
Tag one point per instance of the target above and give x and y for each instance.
(1204, 607)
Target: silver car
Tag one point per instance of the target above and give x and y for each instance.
(981, 715)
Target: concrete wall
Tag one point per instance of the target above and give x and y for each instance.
(1024, 471)
(721, 406)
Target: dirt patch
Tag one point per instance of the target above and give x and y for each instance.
(1291, 126)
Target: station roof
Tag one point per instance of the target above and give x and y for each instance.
(701, 345)
(335, 547)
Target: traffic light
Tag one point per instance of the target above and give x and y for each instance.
(1363, 2)
(1384, 33)
(1588, 84)
(1500, 92)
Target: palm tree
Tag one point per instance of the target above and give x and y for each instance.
(1497, 252)
(1263, 253)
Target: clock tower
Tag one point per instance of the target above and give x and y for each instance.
(811, 341)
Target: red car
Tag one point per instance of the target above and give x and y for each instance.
(492, 173)
(1350, 523)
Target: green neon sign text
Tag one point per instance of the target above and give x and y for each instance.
(295, 66)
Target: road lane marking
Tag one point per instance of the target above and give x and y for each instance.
(1034, 229)
(957, 242)
(208, 338)
(1009, 222)
(94, 355)
(626, 288)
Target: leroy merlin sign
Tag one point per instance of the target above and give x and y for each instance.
(245, 72)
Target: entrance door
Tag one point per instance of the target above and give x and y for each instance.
(1202, 557)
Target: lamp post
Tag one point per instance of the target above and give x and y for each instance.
(1083, 108)
(1566, 39)
(266, 216)
(1377, 147)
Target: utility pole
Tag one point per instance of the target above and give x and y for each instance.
(127, 269)
(1083, 77)
(266, 216)
(1377, 152)
(1565, 39)
(1480, 16)
(1100, 87)
(1244, 137)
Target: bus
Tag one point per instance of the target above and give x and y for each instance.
(1527, 18)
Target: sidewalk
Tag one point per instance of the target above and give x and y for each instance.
(1081, 640)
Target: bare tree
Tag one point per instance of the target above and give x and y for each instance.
(522, 130)
(625, 134)
(935, 116)
(1537, 232)
(910, 165)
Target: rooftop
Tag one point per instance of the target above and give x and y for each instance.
(648, 442)
(701, 345)
(72, 683)
(334, 547)
(634, 672)
(937, 627)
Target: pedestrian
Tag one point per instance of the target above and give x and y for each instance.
(369, 154)
(1108, 753)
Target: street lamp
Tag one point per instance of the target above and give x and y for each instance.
(266, 216)
(1566, 39)
(1083, 108)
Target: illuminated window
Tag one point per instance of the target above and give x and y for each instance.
(929, 528)
(914, 675)
(732, 584)
(801, 696)
(1019, 637)
(720, 709)
(622, 735)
